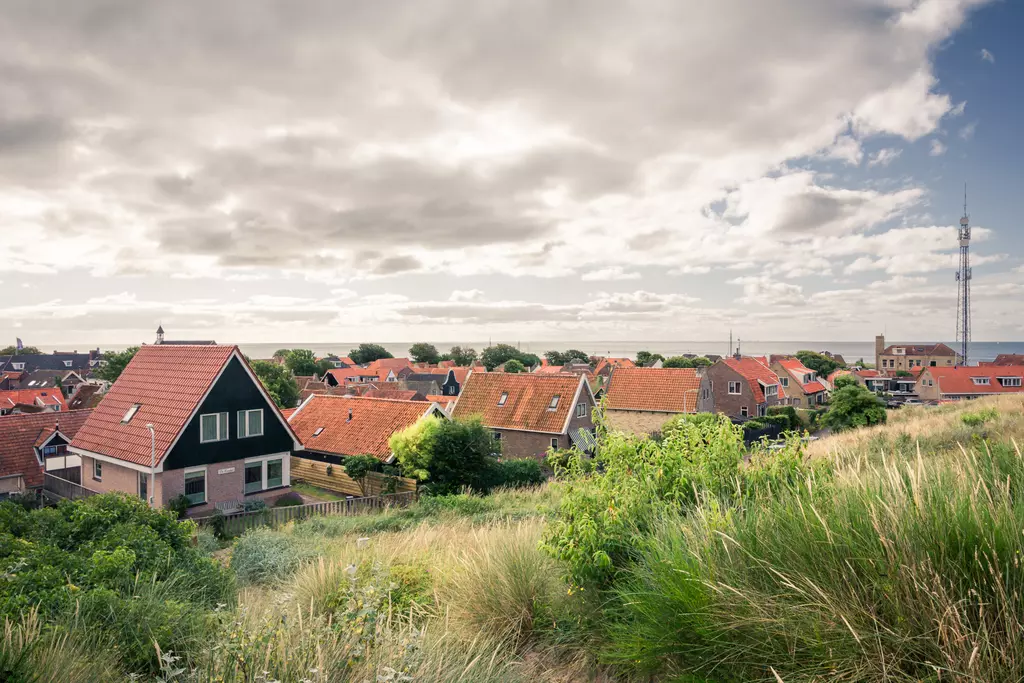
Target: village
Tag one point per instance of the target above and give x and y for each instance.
(201, 423)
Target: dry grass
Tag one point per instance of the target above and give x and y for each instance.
(938, 429)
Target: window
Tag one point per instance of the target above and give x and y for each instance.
(734, 388)
(67, 364)
(705, 393)
(796, 401)
(761, 409)
(143, 485)
(97, 470)
(931, 364)
(981, 380)
(253, 477)
(785, 381)
(195, 486)
(250, 423)
(554, 443)
(502, 398)
(18, 366)
(275, 473)
(581, 410)
(554, 401)
(60, 450)
(771, 390)
(213, 427)
(743, 411)
(497, 436)
(130, 413)
(319, 431)
(1010, 381)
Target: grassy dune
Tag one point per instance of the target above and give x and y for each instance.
(898, 560)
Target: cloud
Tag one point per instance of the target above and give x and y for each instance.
(466, 295)
(884, 157)
(987, 56)
(764, 290)
(936, 148)
(967, 132)
(612, 273)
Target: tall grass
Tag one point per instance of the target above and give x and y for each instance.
(31, 654)
(909, 571)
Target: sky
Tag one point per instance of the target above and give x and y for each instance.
(320, 170)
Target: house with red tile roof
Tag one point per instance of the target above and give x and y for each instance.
(968, 382)
(340, 377)
(1006, 359)
(605, 365)
(531, 413)
(187, 420)
(34, 443)
(49, 400)
(642, 400)
(909, 356)
(397, 394)
(799, 382)
(331, 428)
(744, 387)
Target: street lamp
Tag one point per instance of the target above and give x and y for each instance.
(152, 462)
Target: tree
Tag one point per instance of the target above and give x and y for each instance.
(853, 406)
(301, 362)
(566, 357)
(115, 363)
(446, 454)
(823, 365)
(367, 353)
(24, 351)
(281, 353)
(684, 362)
(493, 356)
(278, 382)
(422, 352)
(462, 357)
(844, 381)
(645, 358)
(323, 367)
(514, 366)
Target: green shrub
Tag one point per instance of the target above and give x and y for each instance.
(515, 474)
(179, 505)
(446, 455)
(358, 466)
(290, 499)
(754, 425)
(264, 556)
(980, 417)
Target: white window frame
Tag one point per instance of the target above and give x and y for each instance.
(503, 399)
(581, 409)
(982, 381)
(553, 403)
(97, 470)
(223, 427)
(243, 423)
(771, 390)
(18, 366)
(739, 389)
(744, 411)
(263, 460)
(206, 483)
(67, 364)
(1010, 381)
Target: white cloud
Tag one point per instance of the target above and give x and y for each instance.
(987, 56)
(690, 270)
(466, 295)
(884, 157)
(766, 291)
(936, 148)
(967, 132)
(612, 273)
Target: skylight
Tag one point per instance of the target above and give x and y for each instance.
(319, 431)
(130, 413)
(554, 401)
(502, 398)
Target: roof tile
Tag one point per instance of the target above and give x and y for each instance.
(529, 396)
(671, 390)
(373, 422)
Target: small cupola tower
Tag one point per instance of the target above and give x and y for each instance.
(160, 334)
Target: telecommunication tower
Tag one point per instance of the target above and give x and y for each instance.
(963, 278)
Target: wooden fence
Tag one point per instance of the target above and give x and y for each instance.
(63, 488)
(239, 522)
(374, 484)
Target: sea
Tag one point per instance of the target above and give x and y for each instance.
(851, 351)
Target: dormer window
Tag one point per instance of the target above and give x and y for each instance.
(554, 402)
(981, 380)
(130, 413)
(18, 366)
(67, 364)
(502, 398)
(1010, 381)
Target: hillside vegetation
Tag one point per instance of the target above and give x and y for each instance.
(890, 553)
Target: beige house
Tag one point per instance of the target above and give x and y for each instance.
(907, 357)
(642, 400)
(968, 382)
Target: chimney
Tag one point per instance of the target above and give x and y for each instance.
(879, 348)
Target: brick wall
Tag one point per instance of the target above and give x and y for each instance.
(636, 421)
(114, 477)
(731, 404)
(225, 481)
(535, 445)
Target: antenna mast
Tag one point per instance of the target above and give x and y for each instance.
(963, 278)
